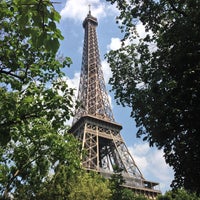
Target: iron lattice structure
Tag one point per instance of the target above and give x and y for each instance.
(94, 123)
(92, 91)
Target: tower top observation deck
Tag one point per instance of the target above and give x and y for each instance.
(90, 19)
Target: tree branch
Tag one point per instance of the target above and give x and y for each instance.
(11, 74)
(176, 9)
(7, 189)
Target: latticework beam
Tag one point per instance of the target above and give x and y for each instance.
(94, 124)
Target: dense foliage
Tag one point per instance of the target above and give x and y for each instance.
(90, 186)
(158, 76)
(35, 103)
(178, 195)
(38, 158)
(118, 191)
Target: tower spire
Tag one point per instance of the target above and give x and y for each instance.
(92, 92)
(94, 124)
(89, 9)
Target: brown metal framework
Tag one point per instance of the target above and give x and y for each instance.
(94, 123)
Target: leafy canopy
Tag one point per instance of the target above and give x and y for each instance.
(158, 76)
(178, 195)
(35, 102)
(90, 186)
(118, 191)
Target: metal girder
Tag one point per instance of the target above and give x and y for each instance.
(94, 123)
(92, 93)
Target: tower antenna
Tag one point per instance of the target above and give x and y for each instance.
(89, 8)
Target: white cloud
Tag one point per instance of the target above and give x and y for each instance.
(110, 101)
(74, 82)
(157, 162)
(141, 149)
(107, 75)
(106, 71)
(141, 30)
(152, 165)
(142, 33)
(114, 44)
(78, 9)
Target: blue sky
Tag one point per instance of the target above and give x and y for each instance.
(149, 160)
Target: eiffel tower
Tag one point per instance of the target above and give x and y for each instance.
(94, 123)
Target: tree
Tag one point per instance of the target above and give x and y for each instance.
(128, 194)
(35, 102)
(118, 191)
(90, 186)
(116, 184)
(158, 76)
(178, 195)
